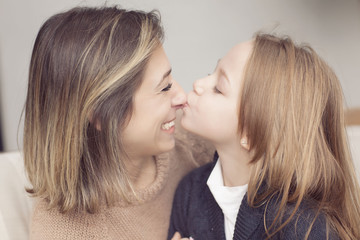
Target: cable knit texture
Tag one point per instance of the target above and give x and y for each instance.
(196, 214)
(145, 217)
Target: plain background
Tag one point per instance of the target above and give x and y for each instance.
(198, 33)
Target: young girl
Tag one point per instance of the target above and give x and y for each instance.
(100, 111)
(274, 112)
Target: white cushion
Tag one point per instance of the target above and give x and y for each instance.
(15, 204)
(3, 231)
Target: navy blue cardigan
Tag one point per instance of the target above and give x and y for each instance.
(196, 214)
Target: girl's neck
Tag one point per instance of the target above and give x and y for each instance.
(142, 171)
(234, 164)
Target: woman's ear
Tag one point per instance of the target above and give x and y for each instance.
(97, 125)
(244, 143)
(95, 122)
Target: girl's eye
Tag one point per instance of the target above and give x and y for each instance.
(167, 88)
(216, 90)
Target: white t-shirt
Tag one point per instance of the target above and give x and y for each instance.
(228, 198)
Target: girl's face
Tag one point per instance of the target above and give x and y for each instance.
(151, 128)
(212, 107)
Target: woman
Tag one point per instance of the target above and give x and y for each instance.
(100, 114)
(283, 169)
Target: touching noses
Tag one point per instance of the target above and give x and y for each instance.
(179, 97)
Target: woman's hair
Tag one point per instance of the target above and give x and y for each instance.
(291, 109)
(85, 67)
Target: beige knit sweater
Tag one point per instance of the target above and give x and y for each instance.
(144, 218)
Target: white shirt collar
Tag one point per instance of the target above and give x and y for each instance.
(228, 198)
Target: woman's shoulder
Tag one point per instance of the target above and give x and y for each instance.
(51, 224)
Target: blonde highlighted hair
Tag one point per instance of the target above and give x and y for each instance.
(291, 109)
(85, 67)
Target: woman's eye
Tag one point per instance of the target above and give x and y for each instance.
(167, 88)
(216, 90)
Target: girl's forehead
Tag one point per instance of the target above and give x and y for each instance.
(234, 61)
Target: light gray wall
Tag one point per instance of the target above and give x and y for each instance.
(198, 33)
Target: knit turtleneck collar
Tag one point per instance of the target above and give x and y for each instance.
(148, 193)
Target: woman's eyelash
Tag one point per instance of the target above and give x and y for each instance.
(167, 88)
(216, 90)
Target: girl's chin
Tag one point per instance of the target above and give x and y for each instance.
(189, 125)
(186, 124)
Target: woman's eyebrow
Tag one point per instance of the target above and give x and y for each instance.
(164, 77)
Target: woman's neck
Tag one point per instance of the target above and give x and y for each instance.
(234, 164)
(142, 171)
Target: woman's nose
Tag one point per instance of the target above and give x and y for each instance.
(179, 97)
(198, 86)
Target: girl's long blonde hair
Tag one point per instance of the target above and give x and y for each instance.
(291, 109)
(85, 67)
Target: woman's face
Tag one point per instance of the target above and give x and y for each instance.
(212, 107)
(151, 128)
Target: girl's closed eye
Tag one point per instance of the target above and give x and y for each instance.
(167, 88)
(216, 90)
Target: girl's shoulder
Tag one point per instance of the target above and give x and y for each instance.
(192, 190)
(305, 216)
(198, 177)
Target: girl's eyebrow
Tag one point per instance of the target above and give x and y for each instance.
(223, 72)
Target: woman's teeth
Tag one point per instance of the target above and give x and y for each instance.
(167, 126)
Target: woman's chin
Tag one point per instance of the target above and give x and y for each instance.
(165, 147)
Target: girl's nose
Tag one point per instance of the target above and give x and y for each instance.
(179, 97)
